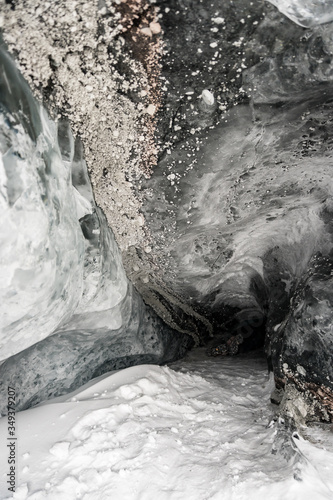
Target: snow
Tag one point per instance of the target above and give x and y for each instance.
(198, 429)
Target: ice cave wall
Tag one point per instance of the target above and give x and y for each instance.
(231, 230)
(68, 311)
(240, 203)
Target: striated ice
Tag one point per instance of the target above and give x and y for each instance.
(73, 157)
(67, 310)
(59, 260)
(41, 243)
(306, 13)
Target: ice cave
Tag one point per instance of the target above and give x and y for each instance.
(166, 249)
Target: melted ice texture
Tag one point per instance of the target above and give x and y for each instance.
(42, 246)
(67, 310)
(197, 429)
(62, 279)
(306, 12)
(49, 271)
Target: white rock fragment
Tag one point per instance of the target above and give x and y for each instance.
(207, 97)
(239, 42)
(146, 31)
(155, 28)
(218, 20)
(151, 109)
(301, 370)
(141, 220)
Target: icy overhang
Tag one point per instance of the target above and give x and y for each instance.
(306, 13)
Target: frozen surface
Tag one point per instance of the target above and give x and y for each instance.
(67, 310)
(240, 204)
(41, 243)
(306, 12)
(200, 429)
(236, 199)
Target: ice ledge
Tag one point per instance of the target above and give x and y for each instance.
(306, 13)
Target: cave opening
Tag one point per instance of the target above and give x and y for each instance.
(243, 332)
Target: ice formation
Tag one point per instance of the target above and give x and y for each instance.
(42, 245)
(68, 312)
(238, 208)
(306, 12)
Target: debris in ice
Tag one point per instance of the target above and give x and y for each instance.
(207, 97)
(147, 32)
(301, 370)
(218, 20)
(151, 109)
(155, 28)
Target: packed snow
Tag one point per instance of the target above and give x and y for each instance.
(201, 428)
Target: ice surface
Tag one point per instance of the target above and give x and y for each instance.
(306, 12)
(197, 429)
(42, 246)
(68, 311)
(241, 198)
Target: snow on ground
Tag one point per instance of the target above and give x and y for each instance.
(195, 430)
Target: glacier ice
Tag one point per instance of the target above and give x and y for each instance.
(42, 245)
(68, 311)
(306, 12)
(241, 210)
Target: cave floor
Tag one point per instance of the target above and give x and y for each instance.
(200, 428)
